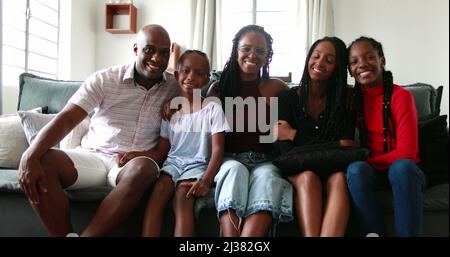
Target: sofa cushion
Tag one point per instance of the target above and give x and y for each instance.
(13, 141)
(37, 91)
(33, 122)
(427, 99)
(433, 199)
(433, 146)
(436, 198)
(9, 181)
(93, 194)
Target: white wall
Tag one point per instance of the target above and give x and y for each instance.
(414, 34)
(78, 39)
(116, 49)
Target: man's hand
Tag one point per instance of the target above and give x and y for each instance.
(32, 177)
(124, 158)
(198, 188)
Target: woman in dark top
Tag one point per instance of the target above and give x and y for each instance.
(314, 113)
(250, 193)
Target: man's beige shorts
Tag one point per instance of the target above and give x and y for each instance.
(95, 169)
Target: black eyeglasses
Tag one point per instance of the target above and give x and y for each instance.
(257, 50)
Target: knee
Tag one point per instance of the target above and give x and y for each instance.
(163, 185)
(180, 194)
(305, 179)
(265, 172)
(337, 180)
(48, 161)
(358, 172)
(402, 164)
(233, 170)
(402, 170)
(180, 202)
(141, 172)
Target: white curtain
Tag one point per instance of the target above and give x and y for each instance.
(1, 58)
(206, 29)
(316, 20)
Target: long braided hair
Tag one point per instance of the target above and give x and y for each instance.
(230, 79)
(388, 82)
(336, 90)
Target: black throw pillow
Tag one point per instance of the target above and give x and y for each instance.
(326, 157)
(433, 150)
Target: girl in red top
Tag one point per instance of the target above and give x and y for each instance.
(387, 121)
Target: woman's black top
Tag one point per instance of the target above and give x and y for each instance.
(309, 131)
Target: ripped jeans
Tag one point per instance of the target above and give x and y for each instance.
(249, 183)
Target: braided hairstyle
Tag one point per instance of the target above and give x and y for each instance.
(230, 79)
(388, 82)
(336, 90)
(188, 52)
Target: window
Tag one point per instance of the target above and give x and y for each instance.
(277, 17)
(30, 38)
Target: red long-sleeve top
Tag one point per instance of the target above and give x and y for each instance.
(404, 121)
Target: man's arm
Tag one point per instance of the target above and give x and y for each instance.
(30, 170)
(57, 129)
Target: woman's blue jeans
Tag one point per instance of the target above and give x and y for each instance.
(407, 182)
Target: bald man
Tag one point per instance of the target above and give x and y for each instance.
(126, 102)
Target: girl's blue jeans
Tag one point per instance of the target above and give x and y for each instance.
(407, 182)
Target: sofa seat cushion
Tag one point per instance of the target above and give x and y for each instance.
(97, 194)
(92, 194)
(9, 181)
(434, 198)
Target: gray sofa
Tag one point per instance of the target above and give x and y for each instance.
(18, 219)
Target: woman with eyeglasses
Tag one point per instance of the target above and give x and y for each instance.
(250, 194)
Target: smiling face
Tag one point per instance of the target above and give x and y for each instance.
(365, 64)
(152, 52)
(322, 62)
(252, 55)
(192, 73)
